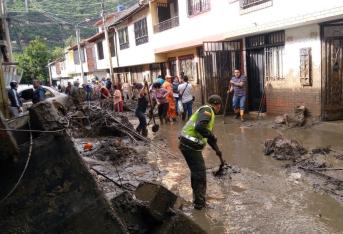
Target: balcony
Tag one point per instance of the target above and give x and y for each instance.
(167, 24)
(124, 46)
(253, 5)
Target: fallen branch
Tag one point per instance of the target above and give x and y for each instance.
(108, 178)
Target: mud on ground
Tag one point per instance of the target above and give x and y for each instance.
(322, 167)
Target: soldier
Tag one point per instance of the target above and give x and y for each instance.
(194, 136)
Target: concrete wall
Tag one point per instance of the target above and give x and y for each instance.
(141, 54)
(284, 95)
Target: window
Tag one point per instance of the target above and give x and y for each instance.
(252, 5)
(48, 93)
(274, 63)
(112, 48)
(198, 6)
(100, 50)
(123, 38)
(76, 56)
(273, 46)
(141, 32)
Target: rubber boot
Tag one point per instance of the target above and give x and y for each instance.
(236, 113)
(138, 130)
(242, 115)
(145, 132)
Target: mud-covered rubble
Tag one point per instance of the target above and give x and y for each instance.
(299, 118)
(322, 165)
(60, 193)
(282, 148)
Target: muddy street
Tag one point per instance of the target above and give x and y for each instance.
(265, 197)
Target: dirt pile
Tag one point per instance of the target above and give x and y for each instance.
(322, 165)
(115, 150)
(297, 119)
(282, 148)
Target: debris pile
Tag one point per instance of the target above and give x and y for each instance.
(226, 170)
(298, 119)
(115, 150)
(282, 148)
(58, 194)
(323, 166)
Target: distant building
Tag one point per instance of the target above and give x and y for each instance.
(291, 52)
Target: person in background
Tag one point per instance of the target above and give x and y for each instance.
(38, 93)
(142, 105)
(238, 82)
(117, 100)
(176, 92)
(185, 94)
(16, 104)
(104, 95)
(167, 85)
(126, 91)
(109, 84)
(160, 95)
(68, 89)
(89, 91)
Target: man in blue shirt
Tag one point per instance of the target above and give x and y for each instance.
(38, 93)
(238, 86)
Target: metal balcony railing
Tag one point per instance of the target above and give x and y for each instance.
(168, 24)
(252, 5)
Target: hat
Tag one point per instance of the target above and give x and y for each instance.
(215, 99)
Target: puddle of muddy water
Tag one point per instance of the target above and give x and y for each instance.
(261, 198)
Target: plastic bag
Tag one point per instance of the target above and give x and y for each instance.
(179, 106)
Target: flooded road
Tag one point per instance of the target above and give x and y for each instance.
(264, 197)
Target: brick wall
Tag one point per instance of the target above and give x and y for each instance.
(281, 101)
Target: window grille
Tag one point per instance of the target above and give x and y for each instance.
(112, 47)
(141, 32)
(123, 38)
(198, 6)
(100, 50)
(247, 6)
(274, 63)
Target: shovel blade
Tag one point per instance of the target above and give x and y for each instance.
(155, 128)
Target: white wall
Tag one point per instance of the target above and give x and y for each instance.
(141, 54)
(225, 21)
(297, 38)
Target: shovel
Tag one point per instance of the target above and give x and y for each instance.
(155, 127)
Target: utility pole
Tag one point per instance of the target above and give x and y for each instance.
(27, 6)
(77, 29)
(107, 41)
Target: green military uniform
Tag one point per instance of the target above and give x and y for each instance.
(194, 136)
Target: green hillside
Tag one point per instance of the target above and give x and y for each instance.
(54, 20)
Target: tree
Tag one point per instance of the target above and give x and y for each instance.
(70, 41)
(34, 61)
(57, 52)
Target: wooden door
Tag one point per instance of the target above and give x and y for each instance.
(332, 71)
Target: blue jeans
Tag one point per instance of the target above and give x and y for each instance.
(238, 102)
(187, 110)
(142, 120)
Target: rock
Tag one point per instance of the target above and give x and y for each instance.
(157, 198)
(280, 120)
(179, 223)
(44, 116)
